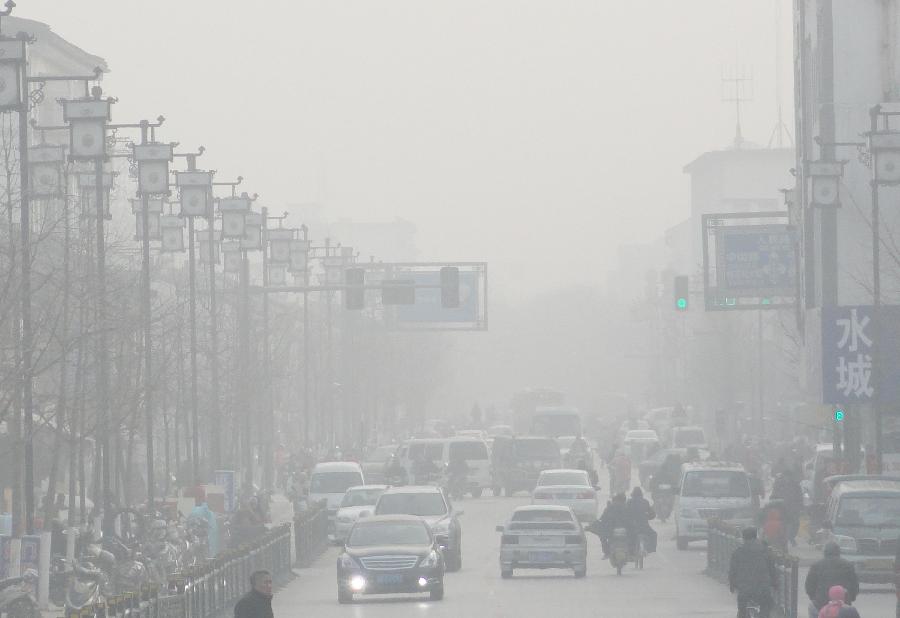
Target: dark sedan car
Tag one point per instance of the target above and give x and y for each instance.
(390, 554)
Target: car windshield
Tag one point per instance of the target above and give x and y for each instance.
(564, 478)
(874, 511)
(468, 450)
(689, 437)
(334, 482)
(389, 533)
(716, 484)
(537, 449)
(428, 504)
(361, 497)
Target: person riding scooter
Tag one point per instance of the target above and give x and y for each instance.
(641, 513)
(615, 515)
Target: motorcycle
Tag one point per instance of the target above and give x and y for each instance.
(17, 596)
(663, 501)
(88, 586)
(619, 550)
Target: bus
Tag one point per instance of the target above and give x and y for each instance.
(524, 403)
(556, 421)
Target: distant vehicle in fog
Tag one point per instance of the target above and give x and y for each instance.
(542, 537)
(555, 421)
(517, 462)
(525, 403)
(571, 488)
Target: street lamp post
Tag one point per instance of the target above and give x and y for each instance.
(276, 251)
(235, 211)
(195, 187)
(87, 120)
(153, 179)
(884, 146)
(300, 265)
(14, 97)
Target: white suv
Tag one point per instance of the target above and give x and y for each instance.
(711, 490)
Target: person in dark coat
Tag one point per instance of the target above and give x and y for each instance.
(258, 602)
(832, 570)
(752, 574)
(615, 515)
(641, 513)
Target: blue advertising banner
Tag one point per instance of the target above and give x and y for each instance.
(428, 307)
(756, 259)
(860, 364)
(226, 480)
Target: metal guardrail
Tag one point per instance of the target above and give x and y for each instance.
(724, 539)
(206, 591)
(310, 534)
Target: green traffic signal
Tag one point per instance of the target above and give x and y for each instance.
(681, 288)
(838, 415)
(682, 303)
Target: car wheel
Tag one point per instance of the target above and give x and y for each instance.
(581, 571)
(681, 543)
(454, 560)
(506, 573)
(476, 493)
(437, 593)
(344, 596)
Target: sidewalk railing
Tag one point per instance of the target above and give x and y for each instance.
(310, 534)
(724, 539)
(207, 591)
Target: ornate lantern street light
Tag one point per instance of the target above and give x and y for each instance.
(154, 212)
(171, 233)
(12, 80)
(87, 120)
(825, 182)
(46, 173)
(153, 167)
(233, 210)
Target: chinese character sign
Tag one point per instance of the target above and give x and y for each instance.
(849, 341)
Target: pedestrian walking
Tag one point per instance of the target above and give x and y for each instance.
(832, 570)
(258, 602)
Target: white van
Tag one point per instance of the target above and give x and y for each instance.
(475, 453)
(330, 481)
(711, 490)
(431, 448)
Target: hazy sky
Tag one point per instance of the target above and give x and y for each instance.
(538, 135)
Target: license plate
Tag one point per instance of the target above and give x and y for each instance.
(542, 556)
(879, 565)
(545, 540)
(389, 579)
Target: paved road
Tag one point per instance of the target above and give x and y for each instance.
(671, 585)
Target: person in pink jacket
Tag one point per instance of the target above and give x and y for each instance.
(836, 606)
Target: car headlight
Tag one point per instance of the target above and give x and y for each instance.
(689, 513)
(846, 543)
(347, 562)
(441, 527)
(430, 561)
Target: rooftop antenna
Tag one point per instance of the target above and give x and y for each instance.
(780, 131)
(737, 88)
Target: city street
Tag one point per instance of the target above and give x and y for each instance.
(672, 583)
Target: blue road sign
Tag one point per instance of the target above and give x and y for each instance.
(755, 260)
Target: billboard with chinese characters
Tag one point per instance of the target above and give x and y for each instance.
(860, 359)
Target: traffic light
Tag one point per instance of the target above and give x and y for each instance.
(355, 292)
(449, 287)
(838, 415)
(681, 287)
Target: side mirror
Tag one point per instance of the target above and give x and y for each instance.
(499, 528)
